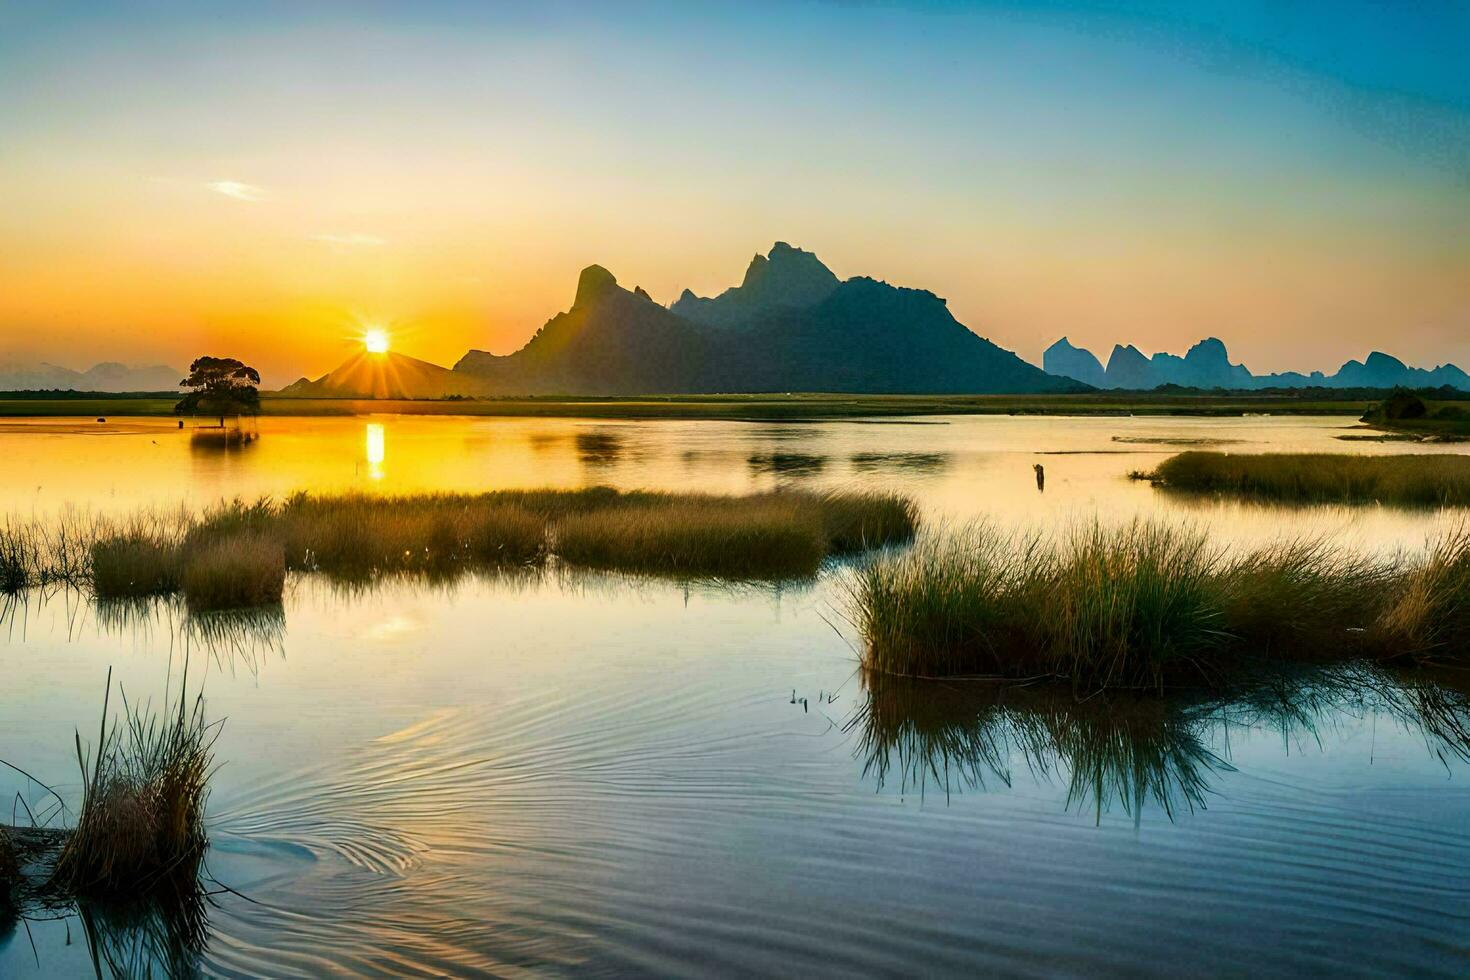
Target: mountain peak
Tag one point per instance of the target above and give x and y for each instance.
(1379, 361)
(592, 283)
(785, 278)
(1066, 361)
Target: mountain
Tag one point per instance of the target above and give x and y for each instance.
(1128, 367)
(611, 342)
(389, 375)
(788, 279)
(1066, 361)
(107, 376)
(790, 325)
(1207, 365)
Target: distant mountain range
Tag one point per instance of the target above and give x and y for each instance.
(1207, 365)
(791, 325)
(107, 376)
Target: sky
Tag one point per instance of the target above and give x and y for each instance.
(267, 180)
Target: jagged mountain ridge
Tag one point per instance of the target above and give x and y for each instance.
(788, 278)
(1207, 365)
(790, 326)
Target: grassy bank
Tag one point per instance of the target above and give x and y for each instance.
(1148, 605)
(238, 554)
(1430, 480)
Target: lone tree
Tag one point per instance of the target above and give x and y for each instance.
(220, 386)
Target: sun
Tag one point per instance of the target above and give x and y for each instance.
(375, 339)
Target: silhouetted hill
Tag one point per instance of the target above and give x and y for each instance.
(389, 375)
(1066, 361)
(790, 326)
(611, 342)
(1207, 366)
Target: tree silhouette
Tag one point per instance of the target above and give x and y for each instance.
(220, 386)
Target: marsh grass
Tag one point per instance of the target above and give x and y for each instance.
(130, 868)
(136, 564)
(1147, 604)
(780, 535)
(141, 821)
(35, 555)
(771, 537)
(1428, 613)
(237, 553)
(243, 569)
(362, 535)
(1426, 480)
(20, 558)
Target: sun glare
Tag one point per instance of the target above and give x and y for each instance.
(376, 340)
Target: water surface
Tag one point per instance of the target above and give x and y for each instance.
(561, 772)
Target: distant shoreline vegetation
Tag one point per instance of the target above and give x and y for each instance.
(1423, 480)
(814, 406)
(237, 555)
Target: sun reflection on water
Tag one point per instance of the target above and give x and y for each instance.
(376, 447)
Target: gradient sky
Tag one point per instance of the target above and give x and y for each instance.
(263, 179)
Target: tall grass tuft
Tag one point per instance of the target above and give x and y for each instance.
(1146, 604)
(243, 569)
(860, 521)
(136, 563)
(1428, 614)
(141, 822)
(1430, 480)
(21, 560)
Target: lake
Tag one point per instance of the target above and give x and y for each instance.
(560, 772)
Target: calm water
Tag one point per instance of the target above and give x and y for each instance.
(568, 773)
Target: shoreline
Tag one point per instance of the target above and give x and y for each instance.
(757, 408)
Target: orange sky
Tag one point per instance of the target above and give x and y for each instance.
(266, 189)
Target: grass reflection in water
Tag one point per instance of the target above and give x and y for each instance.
(1126, 749)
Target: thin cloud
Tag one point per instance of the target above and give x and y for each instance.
(351, 241)
(237, 190)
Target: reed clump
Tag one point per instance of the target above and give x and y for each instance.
(1428, 613)
(241, 570)
(20, 558)
(141, 822)
(136, 563)
(1423, 480)
(1148, 604)
(856, 521)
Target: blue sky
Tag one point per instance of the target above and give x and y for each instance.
(1294, 178)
